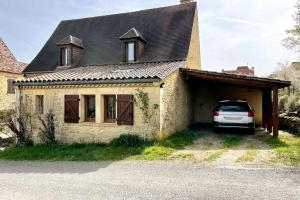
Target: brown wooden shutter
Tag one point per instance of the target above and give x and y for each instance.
(72, 108)
(125, 110)
(10, 86)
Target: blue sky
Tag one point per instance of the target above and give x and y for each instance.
(232, 32)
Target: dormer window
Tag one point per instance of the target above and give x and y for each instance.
(134, 45)
(64, 56)
(70, 50)
(130, 51)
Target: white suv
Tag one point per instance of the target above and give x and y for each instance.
(234, 114)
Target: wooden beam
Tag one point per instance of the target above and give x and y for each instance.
(275, 113)
(236, 79)
(267, 110)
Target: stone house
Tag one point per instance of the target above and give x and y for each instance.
(10, 70)
(242, 70)
(90, 71)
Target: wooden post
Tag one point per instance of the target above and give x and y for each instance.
(275, 113)
(268, 110)
(264, 109)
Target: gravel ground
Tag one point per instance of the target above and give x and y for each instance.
(144, 180)
(210, 143)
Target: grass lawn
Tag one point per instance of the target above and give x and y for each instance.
(248, 156)
(287, 149)
(100, 152)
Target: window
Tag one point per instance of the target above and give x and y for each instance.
(40, 104)
(130, 52)
(90, 109)
(10, 86)
(64, 56)
(110, 108)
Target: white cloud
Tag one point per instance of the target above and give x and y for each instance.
(240, 21)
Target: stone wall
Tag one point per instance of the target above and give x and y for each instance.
(194, 55)
(87, 132)
(7, 101)
(176, 104)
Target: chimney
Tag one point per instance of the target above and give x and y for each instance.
(185, 1)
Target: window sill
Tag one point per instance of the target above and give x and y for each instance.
(94, 124)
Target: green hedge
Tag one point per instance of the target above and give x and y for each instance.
(290, 123)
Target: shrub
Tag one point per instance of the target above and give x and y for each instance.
(129, 140)
(282, 103)
(21, 128)
(291, 124)
(291, 105)
(48, 128)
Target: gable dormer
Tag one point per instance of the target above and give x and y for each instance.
(70, 50)
(133, 45)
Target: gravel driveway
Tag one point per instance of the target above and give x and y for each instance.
(144, 180)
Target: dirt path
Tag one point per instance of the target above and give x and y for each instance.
(209, 148)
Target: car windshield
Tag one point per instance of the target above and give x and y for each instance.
(233, 107)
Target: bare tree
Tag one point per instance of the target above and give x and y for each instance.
(48, 130)
(21, 123)
(288, 72)
(293, 35)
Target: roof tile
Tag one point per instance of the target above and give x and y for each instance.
(8, 63)
(109, 72)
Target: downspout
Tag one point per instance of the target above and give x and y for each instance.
(161, 111)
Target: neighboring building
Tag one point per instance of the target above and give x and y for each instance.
(10, 70)
(243, 70)
(89, 71)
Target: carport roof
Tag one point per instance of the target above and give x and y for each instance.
(241, 80)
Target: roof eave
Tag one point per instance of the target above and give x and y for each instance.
(230, 78)
(86, 82)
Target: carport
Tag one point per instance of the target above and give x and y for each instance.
(207, 88)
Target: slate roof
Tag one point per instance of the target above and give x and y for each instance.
(71, 40)
(128, 72)
(132, 33)
(8, 63)
(167, 31)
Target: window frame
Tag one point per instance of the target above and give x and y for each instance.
(65, 56)
(106, 119)
(10, 88)
(134, 51)
(86, 118)
(40, 105)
